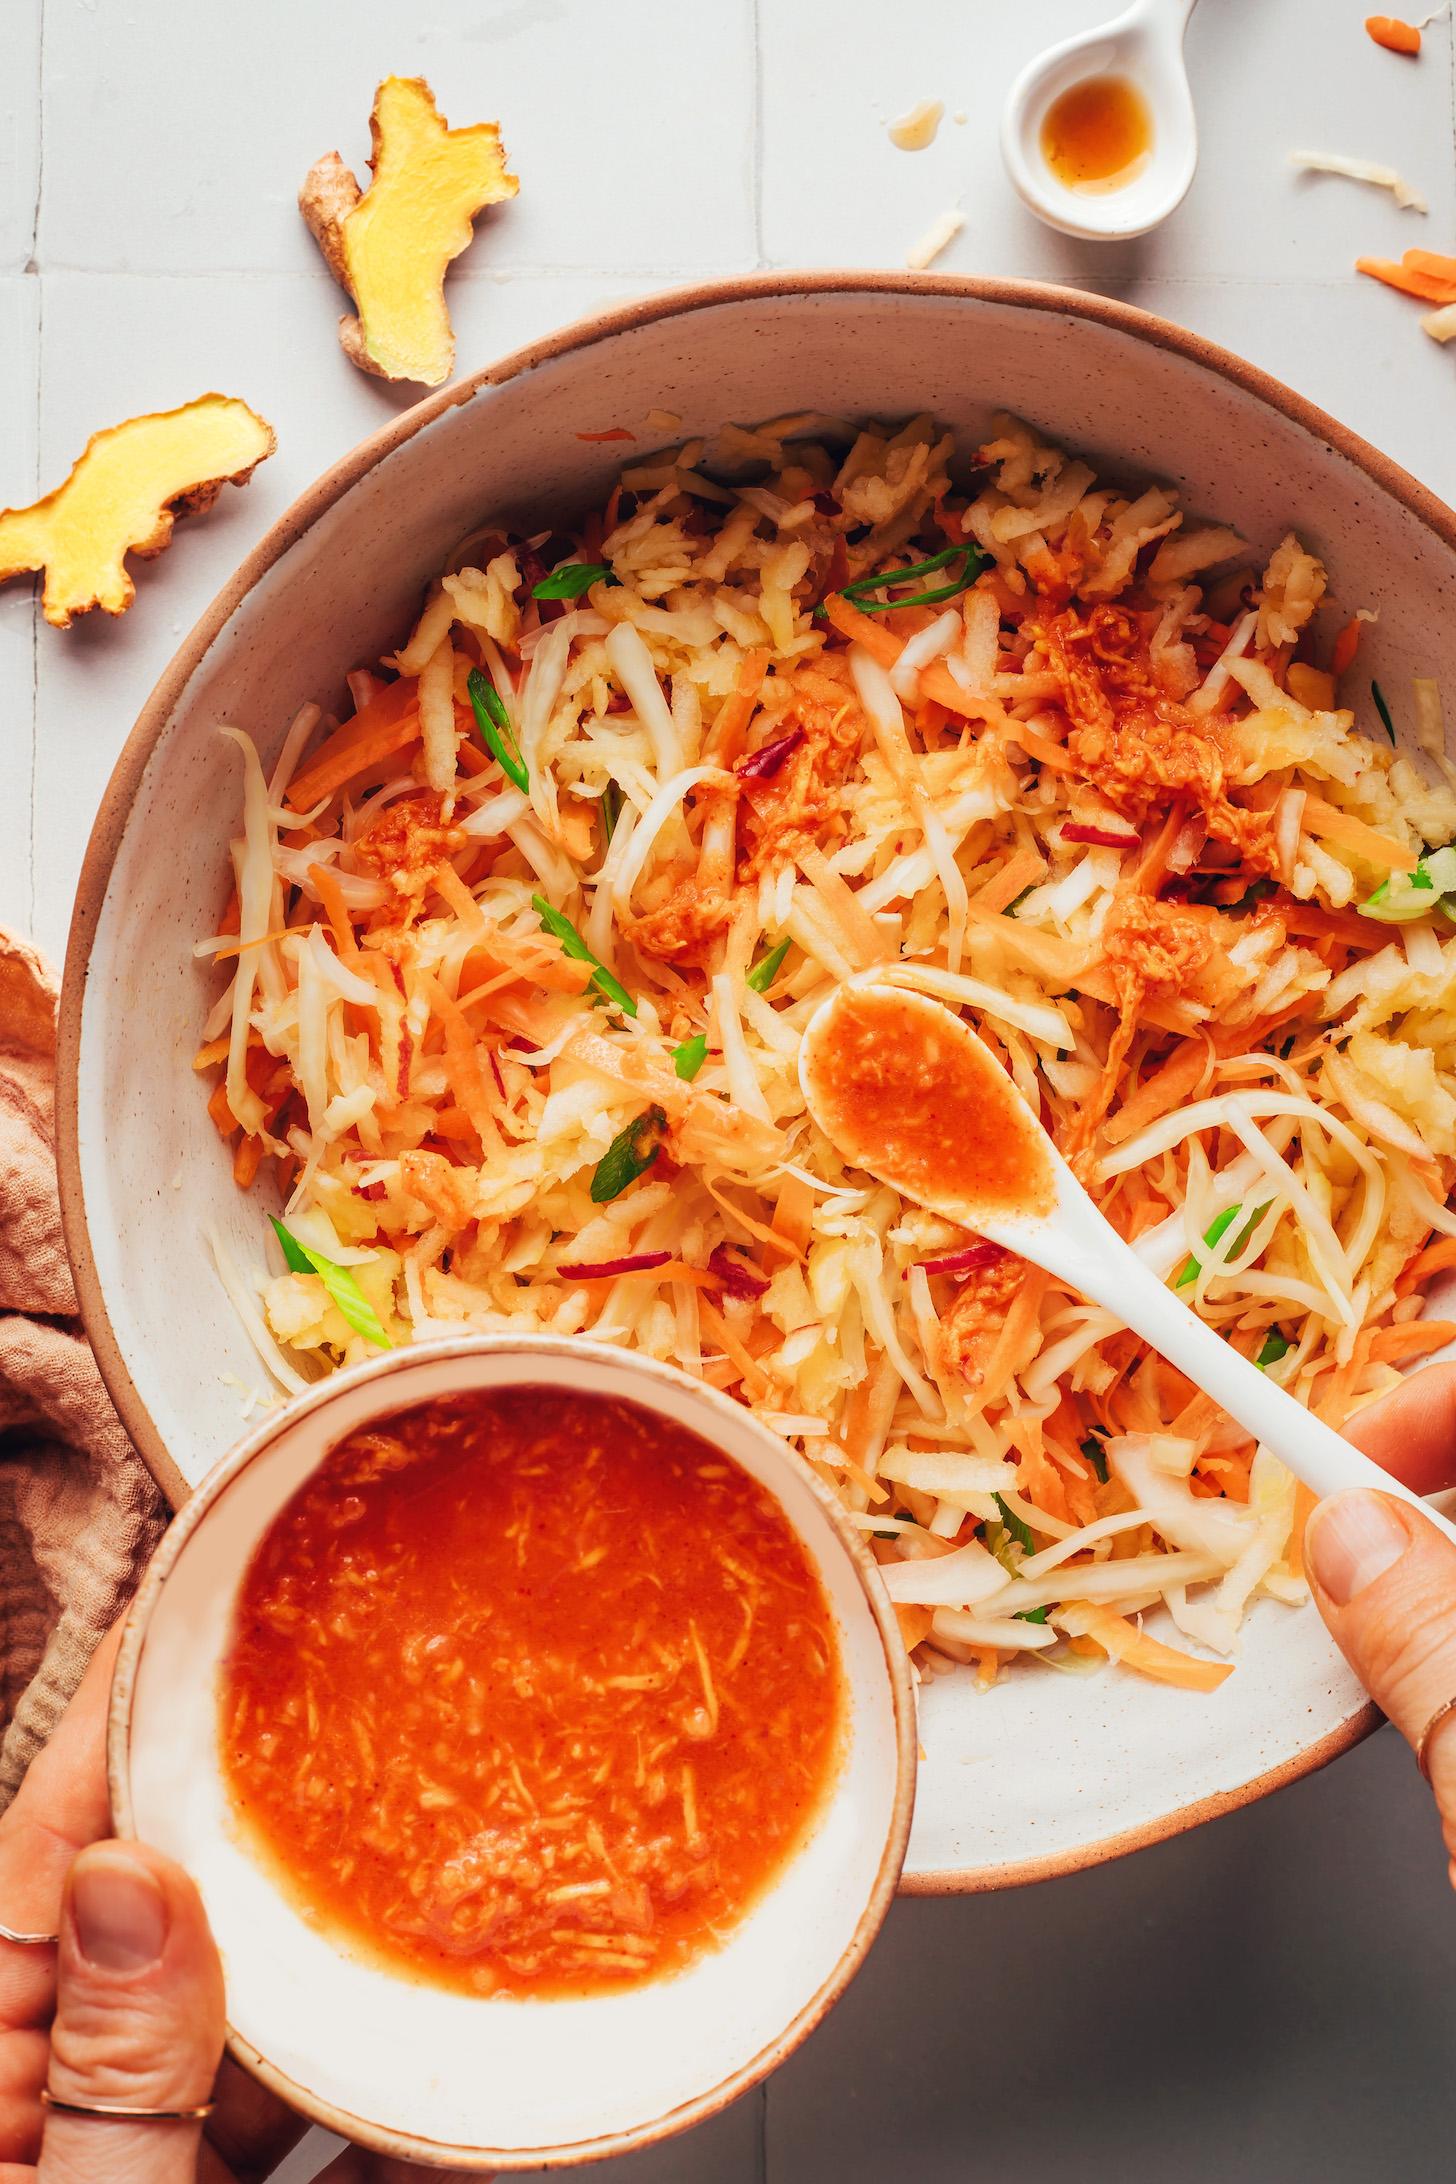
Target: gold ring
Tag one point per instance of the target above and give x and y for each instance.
(1423, 1741)
(27, 1941)
(116, 2112)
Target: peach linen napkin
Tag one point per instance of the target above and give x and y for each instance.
(79, 1513)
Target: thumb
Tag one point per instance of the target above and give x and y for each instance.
(139, 2019)
(1385, 1582)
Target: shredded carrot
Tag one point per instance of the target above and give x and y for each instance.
(793, 1214)
(1150, 1657)
(1327, 822)
(462, 1064)
(1413, 1338)
(1396, 36)
(716, 1327)
(224, 1120)
(247, 1161)
(1019, 872)
(385, 725)
(1429, 287)
(336, 910)
(760, 1229)
(1152, 866)
(1347, 644)
(1012, 1337)
(216, 1050)
(914, 1624)
(1304, 1506)
(936, 681)
(1167, 1088)
(1041, 748)
(725, 742)
(1433, 1259)
(671, 1270)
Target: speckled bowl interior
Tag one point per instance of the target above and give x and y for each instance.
(1045, 1772)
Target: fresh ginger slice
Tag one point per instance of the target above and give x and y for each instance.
(122, 496)
(391, 245)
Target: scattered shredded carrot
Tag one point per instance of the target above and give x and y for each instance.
(1168, 1087)
(1327, 822)
(1020, 871)
(1150, 1657)
(388, 723)
(1396, 36)
(1411, 280)
(725, 744)
(1347, 644)
(1414, 1338)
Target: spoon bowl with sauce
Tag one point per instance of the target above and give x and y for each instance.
(539, 1734)
(1099, 134)
(906, 1091)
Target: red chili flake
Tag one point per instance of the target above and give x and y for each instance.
(1100, 837)
(406, 1052)
(762, 765)
(371, 1190)
(596, 1270)
(736, 1272)
(500, 1082)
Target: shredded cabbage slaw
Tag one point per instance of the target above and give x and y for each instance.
(520, 953)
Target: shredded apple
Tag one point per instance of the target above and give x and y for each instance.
(530, 1693)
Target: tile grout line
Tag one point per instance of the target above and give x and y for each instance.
(33, 269)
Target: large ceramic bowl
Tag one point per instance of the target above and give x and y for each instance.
(1044, 1773)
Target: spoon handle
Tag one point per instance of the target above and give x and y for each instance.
(1105, 1269)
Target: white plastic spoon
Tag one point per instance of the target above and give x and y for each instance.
(903, 1089)
(1144, 46)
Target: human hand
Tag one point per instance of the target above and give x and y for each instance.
(127, 2007)
(1385, 1581)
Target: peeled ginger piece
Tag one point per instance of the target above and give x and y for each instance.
(121, 498)
(391, 245)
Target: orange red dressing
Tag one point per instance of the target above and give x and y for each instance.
(905, 1094)
(529, 1692)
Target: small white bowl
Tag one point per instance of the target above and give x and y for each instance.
(445, 2078)
(1145, 45)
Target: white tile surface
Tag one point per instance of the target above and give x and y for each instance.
(629, 126)
(1274, 1999)
(20, 150)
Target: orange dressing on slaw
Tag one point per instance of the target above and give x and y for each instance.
(1098, 135)
(904, 1093)
(529, 1692)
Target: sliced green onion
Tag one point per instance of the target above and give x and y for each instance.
(624, 1159)
(611, 809)
(1013, 906)
(997, 1541)
(1033, 1615)
(1383, 709)
(577, 949)
(1406, 896)
(766, 970)
(341, 1284)
(972, 562)
(569, 579)
(689, 1058)
(1273, 1349)
(1217, 1228)
(1096, 1456)
(1019, 1529)
(1254, 892)
(494, 723)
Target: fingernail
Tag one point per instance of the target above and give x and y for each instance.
(120, 1912)
(1353, 1539)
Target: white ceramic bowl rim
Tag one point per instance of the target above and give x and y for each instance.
(533, 1351)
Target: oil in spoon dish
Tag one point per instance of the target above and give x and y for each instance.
(905, 1090)
(1099, 134)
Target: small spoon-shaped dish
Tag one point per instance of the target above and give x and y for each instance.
(1144, 49)
(906, 1091)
